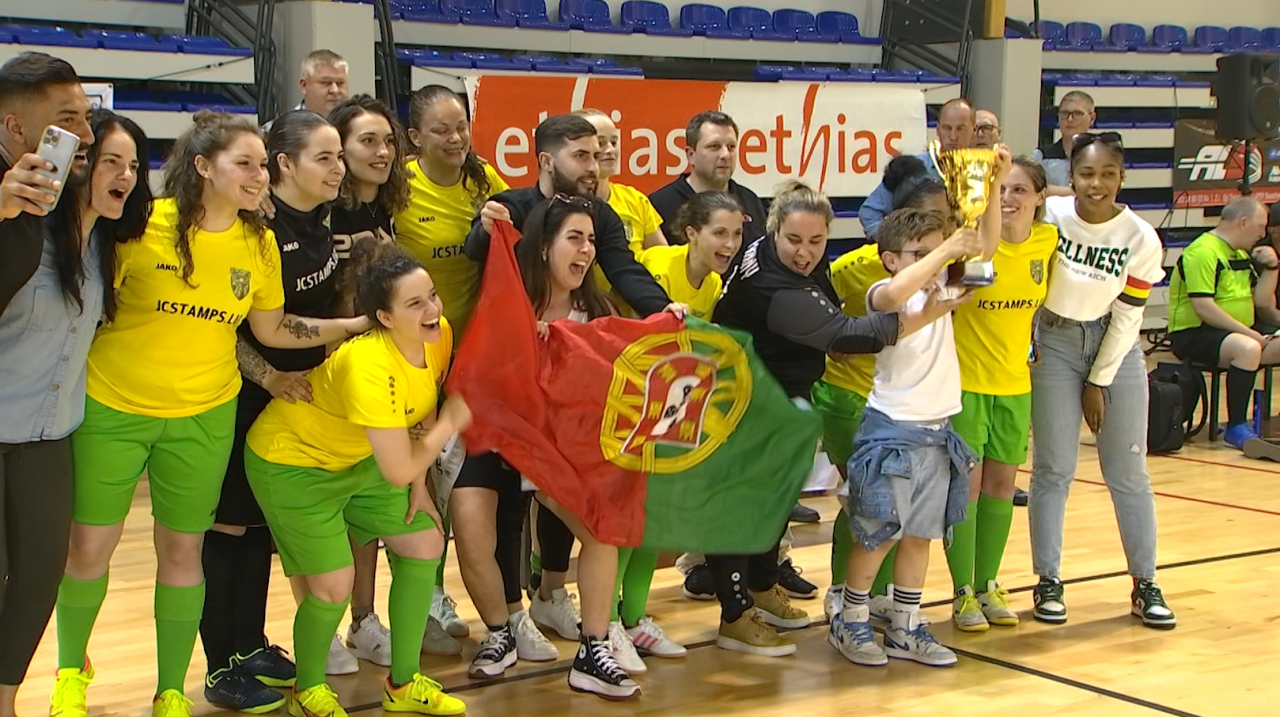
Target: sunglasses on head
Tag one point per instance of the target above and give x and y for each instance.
(1084, 139)
(574, 200)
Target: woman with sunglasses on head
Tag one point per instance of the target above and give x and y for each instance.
(1092, 367)
(45, 333)
(162, 387)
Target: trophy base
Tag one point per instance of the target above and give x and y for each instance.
(971, 273)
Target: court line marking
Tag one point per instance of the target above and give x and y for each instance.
(1175, 496)
(563, 668)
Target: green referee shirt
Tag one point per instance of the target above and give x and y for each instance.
(1211, 267)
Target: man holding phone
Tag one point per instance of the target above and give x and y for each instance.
(36, 91)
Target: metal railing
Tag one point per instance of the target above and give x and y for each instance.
(949, 28)
(228, 20)
(384, 54)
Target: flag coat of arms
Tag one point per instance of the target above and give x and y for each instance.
(661, 433)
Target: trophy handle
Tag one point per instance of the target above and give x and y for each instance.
(934, 148)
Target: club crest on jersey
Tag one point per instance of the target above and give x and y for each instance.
(674, 399)
(240, 282)
(1037, 271)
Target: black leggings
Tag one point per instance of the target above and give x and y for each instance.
(237, 572)
(35, 527)
(734, 575)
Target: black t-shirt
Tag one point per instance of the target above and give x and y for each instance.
(668, 199)
(368, 220)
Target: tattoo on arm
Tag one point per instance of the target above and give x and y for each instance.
(301, 329)
(252, 365)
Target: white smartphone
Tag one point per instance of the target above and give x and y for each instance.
(59, 147)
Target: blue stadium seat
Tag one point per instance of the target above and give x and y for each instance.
(800, 23)
(650, 18)
(605, 67)
(904, 76)
(590, 15)
(113, 40)
(144, 101)
(1080, 79)
(1271, 38)
(1117, 80)
(1082, 37)
(806, 74)
(1127, 36)
(201, 45)
(833, 23)
(709, 20)
(477, 12)
(1050, 78)
(1208, 39)
(48, 36)
(529, 14)
(757, 21)
(559, 66)
(1167, 38)
(421, 57)
(196, 101)
(771, 73)
(1053, 33)
(856, 74)
(1114, 122)
(491, 61)
(1155, 81)
(429, 11)
(1244, 39)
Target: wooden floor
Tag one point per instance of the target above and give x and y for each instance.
(1219, 553)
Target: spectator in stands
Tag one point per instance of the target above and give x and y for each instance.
(986, 129)
(955, 131)
(568, 163)
(323, 79)
(1222, 308)
(36, 90)
(711, 143)
(44, 342)
(1076, 114)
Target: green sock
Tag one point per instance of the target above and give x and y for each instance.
(535, 563)
(995, 516)
(636, 584)
(841, 546)
(885, 576)
(960, 549)
(313, 628)
(178, 613)
(408, 605)
(624, 558)
(78, 604)
(444, 554)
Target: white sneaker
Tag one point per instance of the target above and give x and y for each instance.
(882, 608)
(833, 603)
(443, 609)
(370, 640)
(340, 660)
(531, 644)
(649, 639)
(852, 636)
(558, 614)
(625, 652)
(908, 640)
(435, 641)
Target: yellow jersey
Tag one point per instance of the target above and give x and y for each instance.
(669, 267)
(851, 276)
(639, 219)
(434, 229)
(993, 330)
(366, 383)
(171, 351)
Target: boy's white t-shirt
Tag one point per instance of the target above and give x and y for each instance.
(918, 378)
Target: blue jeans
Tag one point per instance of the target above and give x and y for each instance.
(1067, 350)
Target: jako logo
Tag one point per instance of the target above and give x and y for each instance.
(1219, 162)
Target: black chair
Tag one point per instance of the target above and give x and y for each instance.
(1210, 414)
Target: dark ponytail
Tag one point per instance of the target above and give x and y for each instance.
(474, 178)
(910, 181)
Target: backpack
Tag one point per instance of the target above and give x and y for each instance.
(1175, 390)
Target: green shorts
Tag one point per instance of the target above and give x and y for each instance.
(185, 460)
(841, 411)
(995, 427)
(311, 510)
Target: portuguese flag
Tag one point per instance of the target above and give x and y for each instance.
(658, 433)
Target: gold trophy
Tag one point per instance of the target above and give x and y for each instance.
(968, 175)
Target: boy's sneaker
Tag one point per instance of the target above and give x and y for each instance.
(776, 609)
(69, 688)
(422, 695)
(833, 603)
(1050, 606)
(882, 607)
(794, 585)
(908, 640)
(596, 671)
(497, 653)
(171, 703)
(995, 605)
(649, 639)
(531, 644)
(855, 639)
(1261, 448)
(752, 635)
(318, 701)
(1148, 604)
(558, 614)
(444, 610)
(436, 641)
(269, 665)
(1236, 436)
(234, 688)
(370, 640)
(340, 660)
(625, 652)
(966, 613)
(699, 584)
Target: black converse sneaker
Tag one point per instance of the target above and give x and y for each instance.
(596, 671)
(1049, 605)
(1148, 604)
(794, 585)
(497, 653)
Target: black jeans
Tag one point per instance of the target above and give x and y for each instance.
(237, 573)
(734, 575)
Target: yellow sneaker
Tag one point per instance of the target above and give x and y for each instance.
(318, 701)
(777, 610)
(966, 613)
(172, 703)
(422, 695)
(69, 688)
(995, 605)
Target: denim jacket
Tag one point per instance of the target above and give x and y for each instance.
(44, 351)
(880, 456)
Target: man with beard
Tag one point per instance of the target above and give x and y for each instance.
(36, 90)
(711, 143)
(568, 152)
